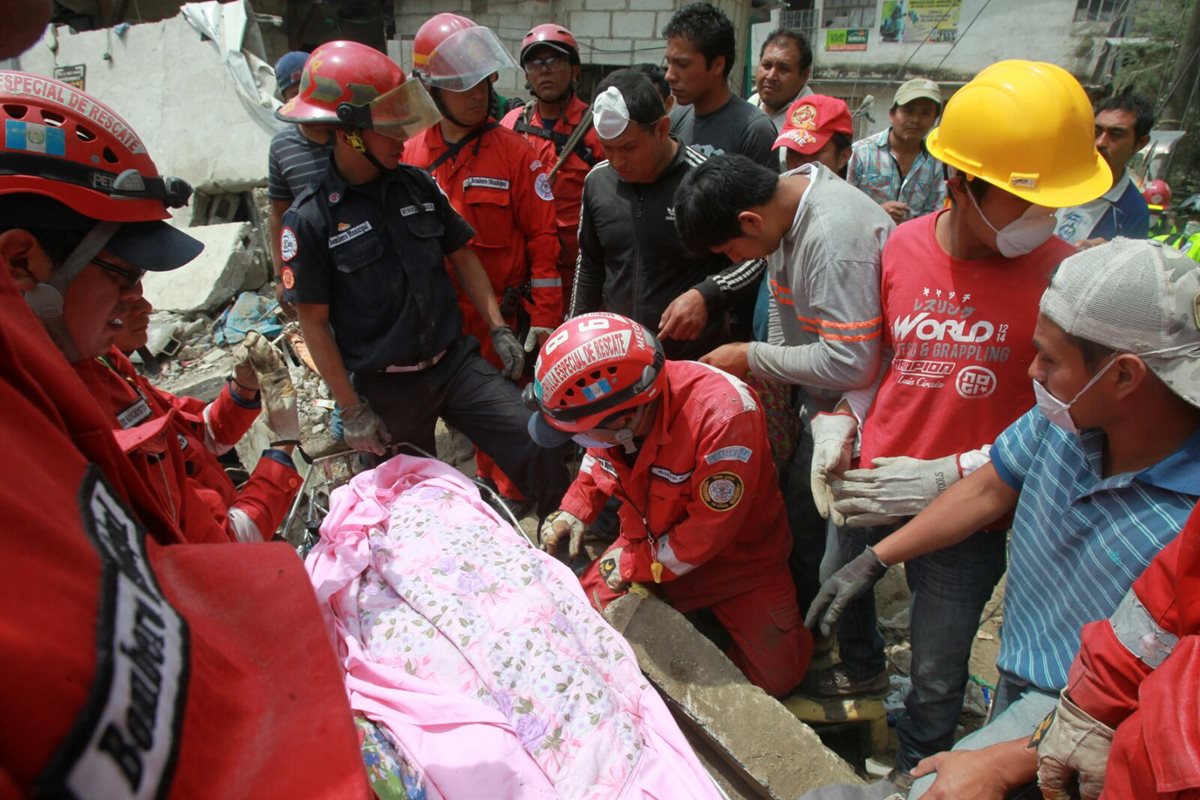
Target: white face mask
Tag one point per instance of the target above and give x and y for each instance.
(1058, 412)
(1024, 234)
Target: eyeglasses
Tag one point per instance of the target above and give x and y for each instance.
(549, 63)
(129, 276)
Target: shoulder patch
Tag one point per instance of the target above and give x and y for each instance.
(125, 740)
(721, 491)
(735, 453)
(287, 276)
(288, 246)
(541, 185)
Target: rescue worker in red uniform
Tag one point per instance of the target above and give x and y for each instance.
(129, 665)
(253, 512)
(157, 443)
(684, 447)
(1137, 673)
(497, 182)
(550, 58)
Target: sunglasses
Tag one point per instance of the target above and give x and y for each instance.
(129, 276)
(547, 63)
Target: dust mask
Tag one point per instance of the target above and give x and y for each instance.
(1058, 412)
(1024, 234)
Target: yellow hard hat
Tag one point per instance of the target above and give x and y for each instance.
(1027, 127)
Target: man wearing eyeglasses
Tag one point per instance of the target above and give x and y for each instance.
(550, 58)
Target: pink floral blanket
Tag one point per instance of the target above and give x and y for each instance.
(479, 656)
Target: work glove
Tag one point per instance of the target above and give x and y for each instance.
(363, 429)
(243, 368)
(847, 584)
(895, 488)
(512, 355)
(1073, 744)
(536, 334)
(610, 569)
(833, 446)
(275, 383)
(557, 525)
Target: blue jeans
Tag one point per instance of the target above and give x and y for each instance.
(949, 590)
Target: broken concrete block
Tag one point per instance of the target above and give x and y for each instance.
(762, 742)
(213, 278)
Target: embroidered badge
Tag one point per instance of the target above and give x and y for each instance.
(288, 246)
(541, 185)
(353, 233)
(729, 454)
(288, 277)
(721, 491)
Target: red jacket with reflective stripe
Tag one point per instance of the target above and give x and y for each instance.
(1106, 677)
(200, 431)
(499, 185)
(702, 497)
(568, 184)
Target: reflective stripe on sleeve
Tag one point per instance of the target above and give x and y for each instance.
(545, 283)
(1138, 633)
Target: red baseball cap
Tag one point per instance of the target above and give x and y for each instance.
(811, 121)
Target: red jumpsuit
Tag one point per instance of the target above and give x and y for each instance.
(702, 500)
(174, 441)
(105, 623)
(568, 183)
(498, 184)
(1139, 672)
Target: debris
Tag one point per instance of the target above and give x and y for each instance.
(250, 312)
(214, 277)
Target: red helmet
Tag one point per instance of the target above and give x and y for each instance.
(594, 367)
(451, 52)
(63, 144)
(351, 85)
(1157, 194)
(553, 36)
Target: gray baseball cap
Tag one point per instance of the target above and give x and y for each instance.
(1134, 296)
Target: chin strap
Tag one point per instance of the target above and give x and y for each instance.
(46, 299)
(354, 137)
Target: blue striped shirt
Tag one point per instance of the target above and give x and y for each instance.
(1078, 540)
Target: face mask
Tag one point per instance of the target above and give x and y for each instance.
(1058, 412)
(1024, 234)
(622, 436)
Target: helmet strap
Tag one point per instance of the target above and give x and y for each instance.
(354, 137)
(47, 299)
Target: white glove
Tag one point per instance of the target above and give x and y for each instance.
(610, 569)
(364, 430)
(557, 525)
(895, 488)
(512, 355)
(275, 383)
(1075, 743)
(531, 341)
(243, 366)
(833, 445)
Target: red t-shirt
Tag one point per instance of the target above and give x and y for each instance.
(962, 336)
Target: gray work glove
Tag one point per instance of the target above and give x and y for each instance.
(558, 525)
(833, 445)
(535, 338)
(1074, 744)
(275, 383)
(847, 584)
(895, 488)
(243, 366)
(363, 429)
(512, 355)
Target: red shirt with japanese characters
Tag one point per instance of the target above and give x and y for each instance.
(961, 336)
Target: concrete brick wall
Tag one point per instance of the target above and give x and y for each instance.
(610, 32)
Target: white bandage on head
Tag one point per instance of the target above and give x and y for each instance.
(610, 115)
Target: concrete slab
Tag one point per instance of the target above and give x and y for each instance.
(217, 274)
(763, 743)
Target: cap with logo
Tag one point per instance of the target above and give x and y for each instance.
(916, 89)
(288, 69)
(811, 121)
(1134, 296)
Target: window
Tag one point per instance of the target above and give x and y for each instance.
(1097, 10)
(849, 14)
(800, 16)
